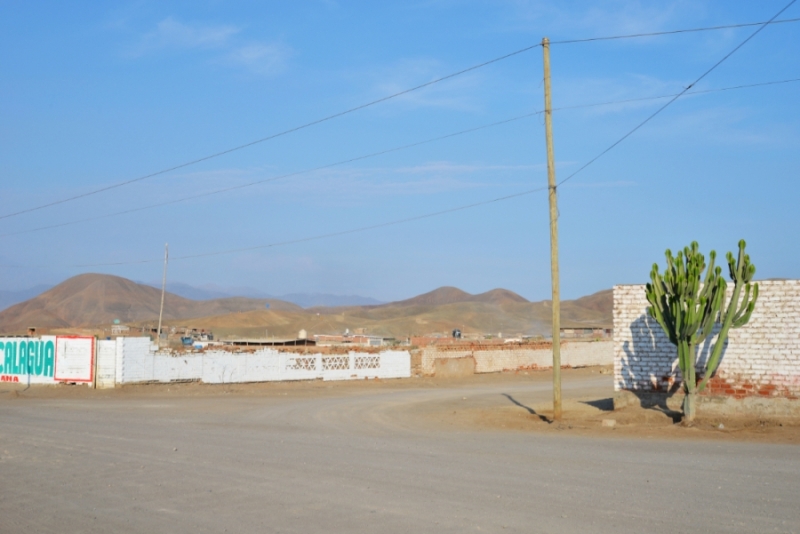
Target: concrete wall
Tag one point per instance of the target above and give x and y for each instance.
(136, 361)
(454, 367)
(106, 363)
(762, 359)
(493, 359)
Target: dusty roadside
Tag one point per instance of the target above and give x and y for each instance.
(488, 402)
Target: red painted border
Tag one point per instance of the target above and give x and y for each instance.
(55, 360)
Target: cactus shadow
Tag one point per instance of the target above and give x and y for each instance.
(655, 386)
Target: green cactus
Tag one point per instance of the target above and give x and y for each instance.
(688, 311)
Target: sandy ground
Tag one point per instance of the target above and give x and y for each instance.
(586, 405)
(417, 455)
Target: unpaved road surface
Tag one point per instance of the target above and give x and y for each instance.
(351, 458)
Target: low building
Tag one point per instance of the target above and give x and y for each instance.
(120, 330)
(270, 342)
(588, 332)
(360, 340)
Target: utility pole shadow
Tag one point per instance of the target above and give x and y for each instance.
(528, 408)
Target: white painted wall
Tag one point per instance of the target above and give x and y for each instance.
(137, 362)
(106, 363)
(489, 360)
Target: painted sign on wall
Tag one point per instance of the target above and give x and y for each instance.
(46, 360)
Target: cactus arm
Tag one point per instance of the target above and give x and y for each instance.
(742, 320)
(737, 314)
(745, 302)
(716, 352)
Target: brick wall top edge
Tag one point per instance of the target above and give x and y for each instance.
(765, 283)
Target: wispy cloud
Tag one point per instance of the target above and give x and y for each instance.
(632, 16)
(173, 34)
(224, 42)
(608, 17)
(457, 93)
(260, 58)
(724, 125)
(583, 91)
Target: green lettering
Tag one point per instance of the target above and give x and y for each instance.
(38, 366)
(48, 361)
(2, 358)
(11, 358)
(22, 365)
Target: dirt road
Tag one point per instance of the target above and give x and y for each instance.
(399, 456)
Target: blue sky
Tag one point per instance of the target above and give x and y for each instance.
(96, 93)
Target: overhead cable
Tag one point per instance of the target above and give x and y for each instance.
(704, 91)
(366, 105)
(676, 97)
(324, 236)
(382, 152)
(672, 32)
(267, 138)
(273, 178)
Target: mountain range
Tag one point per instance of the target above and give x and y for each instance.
(210, 292)
(94, 300)
(304, 300)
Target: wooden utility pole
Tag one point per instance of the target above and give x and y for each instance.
(551, 180)
(163, 291)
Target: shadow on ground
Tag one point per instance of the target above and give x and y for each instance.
(657, 401)
(528, 408)
(605, 405)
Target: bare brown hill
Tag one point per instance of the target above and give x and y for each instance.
(498, 296)
(602, 301)
(452, 295)
(97, 299)
(498, 313)
(442, 295)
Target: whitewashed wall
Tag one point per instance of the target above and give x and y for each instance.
(493, 360)
(137, 362)
(106, 363)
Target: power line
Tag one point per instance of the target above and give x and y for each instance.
(676, 97)
(269, 137)
(274, 178)
(328, 235)
(417, 217)
(366, 105)
(672, 32)
(705, 91)
(382, 152)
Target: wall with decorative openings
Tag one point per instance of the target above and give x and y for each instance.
(136, 361)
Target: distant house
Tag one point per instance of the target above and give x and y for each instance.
(588, 332)
(120, 329)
